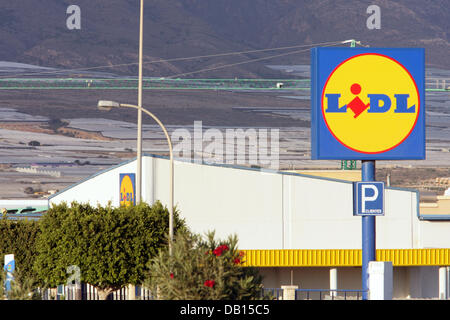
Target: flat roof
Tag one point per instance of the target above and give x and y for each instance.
(221, 165)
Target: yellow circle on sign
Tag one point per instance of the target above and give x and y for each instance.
(356, 98)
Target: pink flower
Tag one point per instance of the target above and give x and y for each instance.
(209, 283)
(220, 249)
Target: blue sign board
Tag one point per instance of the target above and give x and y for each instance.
(127, 189)
(368, 103)
(9, 268)
(368, 198)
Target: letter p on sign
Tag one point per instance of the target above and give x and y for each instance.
(368, 198)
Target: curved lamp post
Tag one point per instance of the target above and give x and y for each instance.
(107, 106)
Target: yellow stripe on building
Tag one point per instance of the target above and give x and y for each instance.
(344, 257)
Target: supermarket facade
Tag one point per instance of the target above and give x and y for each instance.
(298, 229)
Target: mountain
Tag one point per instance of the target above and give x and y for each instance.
(35, 32)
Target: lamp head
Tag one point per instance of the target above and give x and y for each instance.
(106, 105)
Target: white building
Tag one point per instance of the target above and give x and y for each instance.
(297, 229)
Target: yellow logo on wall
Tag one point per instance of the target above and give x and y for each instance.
(127, 189)
(370, 103)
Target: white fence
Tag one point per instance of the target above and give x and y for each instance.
(89, 292)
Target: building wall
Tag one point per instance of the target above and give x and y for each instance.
(423, 282)
(243, 202)
(398, 228)
(408, 282)
(272, 210)
(98, 189)
(267, 210)
(348, 175)
(440, 207)
(434, 234)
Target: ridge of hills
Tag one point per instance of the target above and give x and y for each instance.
(36, 33)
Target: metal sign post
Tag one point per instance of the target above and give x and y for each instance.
(368, 231)
(355, 94)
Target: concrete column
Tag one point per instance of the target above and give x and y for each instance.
(333, 282)
(78, 292)
(131, 292)
(443, 283)
(289, 292)
(53, 293)
(380, 280)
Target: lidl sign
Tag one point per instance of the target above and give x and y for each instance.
(368, 103)
(127, 189)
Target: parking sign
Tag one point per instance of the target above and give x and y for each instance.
(368, 198)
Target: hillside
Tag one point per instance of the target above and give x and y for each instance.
(35, 32)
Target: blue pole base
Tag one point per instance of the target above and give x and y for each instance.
(368, 231)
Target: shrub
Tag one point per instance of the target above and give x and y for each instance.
(111, 246)
(203, 270)
(19, 238)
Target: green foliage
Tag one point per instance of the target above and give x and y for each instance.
(20, 290)
(111, 246)
(203, 270)
(19, 238)
(2, 282)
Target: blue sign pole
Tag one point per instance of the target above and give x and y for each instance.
(368, 231)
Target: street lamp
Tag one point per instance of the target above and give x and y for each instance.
(107, 106)
(139, 115)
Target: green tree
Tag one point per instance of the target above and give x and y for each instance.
(111, 246)
(19, 238)
(2, 284)
(203, 270)
(24, 289)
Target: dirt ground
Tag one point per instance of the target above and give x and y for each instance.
(213, 108)
(185, 107)
(41, 127)
(429, 181)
